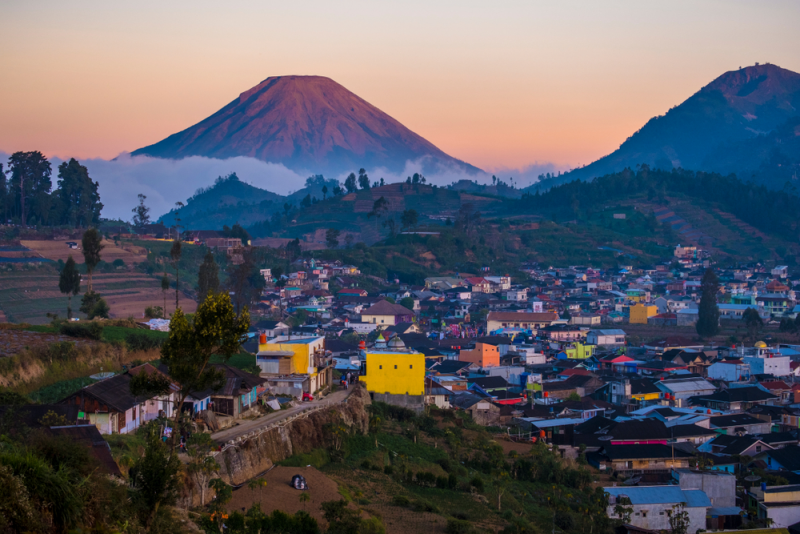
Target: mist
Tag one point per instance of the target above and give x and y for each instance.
(165, 182)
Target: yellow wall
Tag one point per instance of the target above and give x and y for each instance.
(387, 320)
(647, 396)
(580, 351)
(300, 361)
(640, 313)
(407, 377)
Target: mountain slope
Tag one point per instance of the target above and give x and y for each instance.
(700, 133)
(308, 123)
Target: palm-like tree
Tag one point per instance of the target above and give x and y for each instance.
(304, 498)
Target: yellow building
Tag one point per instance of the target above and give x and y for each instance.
(290, 355)
(640, 312)
(579, 351)
(395, 370)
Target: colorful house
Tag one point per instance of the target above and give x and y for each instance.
(484, 354)
(394, 370)
(385, 313)
(639, 313)
(580, 351)
(298, 356)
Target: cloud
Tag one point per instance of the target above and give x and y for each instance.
(166, 181)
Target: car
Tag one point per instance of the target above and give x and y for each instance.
(307, 397)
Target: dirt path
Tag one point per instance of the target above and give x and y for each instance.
(246, 427)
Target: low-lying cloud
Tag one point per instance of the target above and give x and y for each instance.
(166, 181)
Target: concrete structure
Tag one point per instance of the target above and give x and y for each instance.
(639, 313)
(720, 487)
(682, 389)
(484, 354)
(293, 363)
(394, 370)
(769, 365)
(385, 313)
(729, 370)
(612, 337)
(653, 505)
(580, 351)
(781, 504)
(519, 321)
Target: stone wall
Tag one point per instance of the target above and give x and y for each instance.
(251, 456)
(412, 402)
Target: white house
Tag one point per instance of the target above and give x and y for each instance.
(729, 370)
(651, 506)
(612, 337)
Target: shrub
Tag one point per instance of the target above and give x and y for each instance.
(458, 526)
(442, 482)
(444, 463)
(425, 478)
(452, 481)
(424, 506)
(119, 262)
(389, 470)
(366, 465)
(63, 351)
(401, 500)
(477, 483)
(141, 341)
(87, 331)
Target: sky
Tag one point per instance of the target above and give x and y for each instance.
(502, 85)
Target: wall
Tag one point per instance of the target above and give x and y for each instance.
(720, 488)
(250, 456)
(396, 373)
(654, 520)
(483, 354)
(412, 402)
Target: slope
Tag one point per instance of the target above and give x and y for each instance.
(308, 123)
(712, 129)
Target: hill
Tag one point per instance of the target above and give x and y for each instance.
(727, 126)
(308, 123)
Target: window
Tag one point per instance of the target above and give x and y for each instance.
(395, 367)
(644, 513)
(380, 367)
(758, 448)
(410, 366)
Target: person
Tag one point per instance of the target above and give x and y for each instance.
(183, 443)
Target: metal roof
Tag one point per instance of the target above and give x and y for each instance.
(687, 384)
(661, 495)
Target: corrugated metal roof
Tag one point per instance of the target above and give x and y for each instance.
(661, 495)
(691, 384)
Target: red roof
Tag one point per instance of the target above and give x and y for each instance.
(571, 372)
(476, 280)
(775, 384)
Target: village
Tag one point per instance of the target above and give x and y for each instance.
(601, 366)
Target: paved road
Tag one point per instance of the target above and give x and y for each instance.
(247, 426)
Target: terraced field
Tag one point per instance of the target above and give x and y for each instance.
(29, 295)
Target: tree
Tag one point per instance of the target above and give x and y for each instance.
(350, 183)
(260, 484)
(324, 192)
(468, 219)
(141, 214)
(79, 196)
(678, 519)
(208, 277)
(93, 305)
(201, 466)
(223, 495)
(752, 322)
(217, 331)
(306, 202)
(293, 249)
(245, 280)
(379, 208)
(409, 218)
(332, 237)
(69, 283)
(175, 255)
(708, 312)
(92, 247)
(574, 397)
(164, 289)
(30, 180)
(155, 475)
(363, 179)
(348, 242)
(407, 302)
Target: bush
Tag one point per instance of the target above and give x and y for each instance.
(389, 470)
(444, 463)
(119, 262)
(452, 481)
(425, 478)
(141, 341)
(477, 483)
(424, 506)
(85, 330)
(63, 351)
(458, 526)
(366, 464)
(401, 500)
(442, 482)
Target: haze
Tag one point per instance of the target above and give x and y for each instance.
(499, 85)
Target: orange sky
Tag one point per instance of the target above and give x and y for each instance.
(497, 84)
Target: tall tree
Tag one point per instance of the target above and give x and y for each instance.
(379, 208)
(164, 289)
(141, 214)
(79, 196)
(245, 280)
(324, 190)
(92, 243)
(216, 331)
(30, 180)
(363, 179)
(208, 277)
(350, 183)
(4, 195)
(175, 255)
(332, 237)
(752, 322)
(409, 218)
(708, 312)
(69, 283)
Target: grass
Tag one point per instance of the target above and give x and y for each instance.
(55, 392)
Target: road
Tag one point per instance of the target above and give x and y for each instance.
(247, 426)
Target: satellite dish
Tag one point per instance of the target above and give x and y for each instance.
(631, 481)
(101, 376)
(752, 478)
(605, 438)
(757, 409)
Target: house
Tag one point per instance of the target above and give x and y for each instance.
(89, 436)
(735, 445)
(720, 487)
(401, 328)
(482, 354)
(300, 357)
(481, 409)
(734, 370)
(787, 458)
(645, 391)
(735, 399)
(778, 504)
(652, 506)
(683, 389)
(271, 328)
(384, 312)
(239, 391)
(563, 332)
(518, 321)
(479, 285)
(640, 312)
(110, 405)
(610, 338)
(629, 460)
(395, 374)
(694, 434)
(740, 424)
(585, 319)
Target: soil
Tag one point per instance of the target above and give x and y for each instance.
(58, 250)
(14, 341)
(279, 495)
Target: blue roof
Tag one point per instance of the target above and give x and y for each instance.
(662, 495)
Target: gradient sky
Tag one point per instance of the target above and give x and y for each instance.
(497, 84)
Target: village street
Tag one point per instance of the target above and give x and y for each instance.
(245, 427)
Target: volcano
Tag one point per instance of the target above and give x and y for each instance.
(309, 124)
